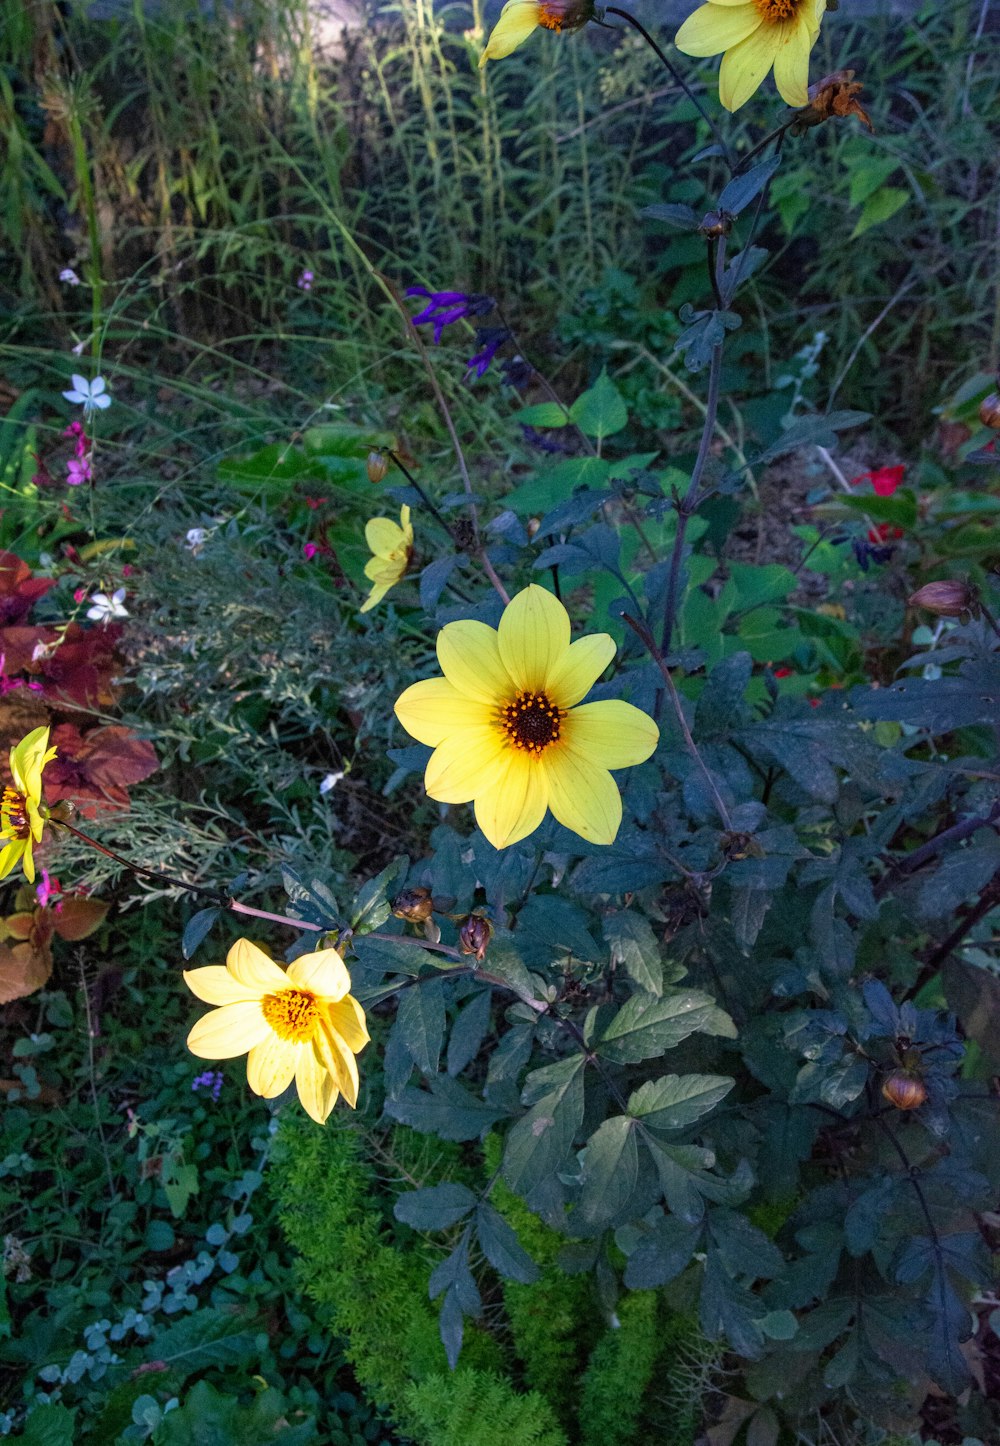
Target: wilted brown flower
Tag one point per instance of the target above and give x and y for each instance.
(834, 95)
(946, 599)
(716, 223)
(415, 905)
(474, 935)
(905, 1090)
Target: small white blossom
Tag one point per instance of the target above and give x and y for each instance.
(78, 349)
(196, 539)
(70, 277)
(105, 608)
(91, 396)
(329, 783)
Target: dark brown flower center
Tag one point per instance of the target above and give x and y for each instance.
(14, 815)
(293, 1014)
(531, 722)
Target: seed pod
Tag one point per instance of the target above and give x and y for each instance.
(415, 905)
(377, 467)
(946, 599)
(989, 411)
(474, 935)
(905, 1090)
(716, 223)
(532, 525)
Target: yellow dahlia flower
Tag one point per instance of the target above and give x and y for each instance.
(506, 729)
(392, 546)
(302, 1024)
(21, 821)
(519, 18)
(754, 36)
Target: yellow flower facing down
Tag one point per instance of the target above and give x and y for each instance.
(21, 819)
(519, 18)
(507, 732)
(300, 1024)
(754, 36)
(392, 547)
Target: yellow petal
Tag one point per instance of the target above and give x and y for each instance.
(224, 1033)
(533, 636)
(611, 734)
(582, 796)
(382, 535)
(35, 821)
(348, 1019)
(28, 861)
(376, 595)
(385, 569)
(791, 64)
(469, 654)
(431, 710)
(404, 525)
(271, 1066)
(9, 856)
(28, 759)
(339, 1061)
(515, 804)
(322, 973)
(579, 668)
(251, 967)
(518, 19)
(716, 27)
(745, 66)
(215, 985)
(316, 1088)
(465, 764)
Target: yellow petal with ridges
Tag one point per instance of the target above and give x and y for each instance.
(376, 595)
(271, 1066)
(716, 27)
(433, 709)
(348, 1019)
(533, 635)
(514, 806)
(322, 973)
(518, 19)
(469, 654)
(317, 1091)
(578, 669)
(224, 1033)
(215, 985)
(582, 796)
(9, 856)
(465, 764)
(382, 535)
(611, 734)
(28, 861)
(745, 66)
(791, 64)
(250, 966)
(339, 1061)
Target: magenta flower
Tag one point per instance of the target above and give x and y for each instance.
(309, 550)
(78, 471)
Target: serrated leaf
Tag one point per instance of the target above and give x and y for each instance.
(812, 431)
(371, 907)
(469, 1031)
(420, 1020)
(610, 1169)
(207, 1338)
(435, 1207)
(646, 1027)
(632, 942)
(600, 411)
(676, 1101)
(446, 1109)
(502, 1248)
(539, 1143)
(662, 1254)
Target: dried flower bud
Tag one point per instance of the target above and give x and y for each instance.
(716, 223)
(474, 935)
(60, 812)
(532, 525)
(377, 467)
(834, 95)
(414, 905)
(736, 846)
(945, 599)
(989, 411)
(905, 1090)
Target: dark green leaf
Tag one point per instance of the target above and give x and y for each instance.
(812, 431)
(743, 1248)
(435, 1207)
(49, 1425)
(539, 1143)
(610, 1169)
(662, 1254)
(646, 1027)
(674, 213)
(469, 1031)
(728, 1310)
(676, 1101)
(502, 1248)
(196, 930)
(371, 907)
(632, 942)
(744, 188)
(420, 1020)
(447, 1109)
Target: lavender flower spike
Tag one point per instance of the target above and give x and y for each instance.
(444, 307)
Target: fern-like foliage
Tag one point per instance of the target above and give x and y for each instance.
(619, 1374)
(475, 1408)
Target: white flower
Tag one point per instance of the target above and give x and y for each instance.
(92, 396)
(78, 349)
(105, 608)
(195, 539)
(329, 783)
(69, 276)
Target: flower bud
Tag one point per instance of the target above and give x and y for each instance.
(532, 525)
(716, 223)
(989, 411)
(948, 599)
(414, 905)
(377, 467)
(737, 845)
(905, 1090)
(474, 935)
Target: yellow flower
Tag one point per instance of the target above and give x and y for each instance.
(756, 35)
(21, 820)
(519, 18)
(507, 733)
(392, 546)
(301, 1025)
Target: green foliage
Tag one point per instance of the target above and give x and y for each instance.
(620, 1371)
(473, 1408)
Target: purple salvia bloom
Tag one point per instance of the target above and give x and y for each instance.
(444, 307)
(489, 339)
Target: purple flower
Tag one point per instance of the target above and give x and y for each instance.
(210, 1080)
(489, 339)
(444, 307)
(516, 372)
(305, 281)
(78, 470)
(866, 553)
(541, 441)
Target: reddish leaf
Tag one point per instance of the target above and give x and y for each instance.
(92, 769)
(23, 970)
(19, 591)
(75, 917)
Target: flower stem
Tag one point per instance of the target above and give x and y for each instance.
(419, 490)
(221, 900)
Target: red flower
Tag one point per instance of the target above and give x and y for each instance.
(884, 532)
(782, 672)
(884, 480)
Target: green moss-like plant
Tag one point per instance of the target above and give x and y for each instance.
(474, 1408)
(619, 1374)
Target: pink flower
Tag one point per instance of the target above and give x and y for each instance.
(47, 889)
(79, 594)
(884, 480)
(309, 550)
(305, 281)
(78, 471)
